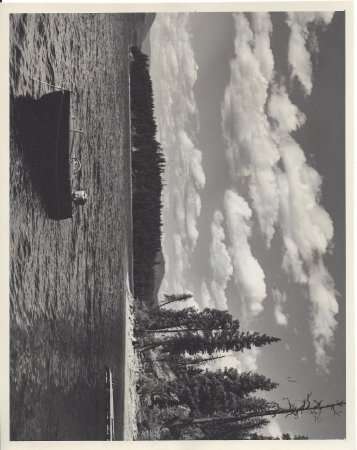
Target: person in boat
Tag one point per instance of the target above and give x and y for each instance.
(79, 198)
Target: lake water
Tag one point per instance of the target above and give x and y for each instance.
(67, 278)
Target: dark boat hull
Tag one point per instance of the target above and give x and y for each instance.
(43, 133)
(54, 111)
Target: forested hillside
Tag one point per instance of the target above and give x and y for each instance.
(147, 165)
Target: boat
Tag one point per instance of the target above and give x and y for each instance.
(52, 156)
(109, 405)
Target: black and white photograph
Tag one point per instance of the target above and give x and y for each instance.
(177, 225)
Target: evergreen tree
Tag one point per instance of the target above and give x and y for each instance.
(212, 392)
(211, 341)
(181, 363)
(172, 299)
(190, 319)
(260, 410)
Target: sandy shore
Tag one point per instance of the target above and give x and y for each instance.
(131, 371)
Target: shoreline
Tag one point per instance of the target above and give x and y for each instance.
(131, 370)
(130, 265)
(130, 357)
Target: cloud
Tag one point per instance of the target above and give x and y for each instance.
(324, 309)
(248, 274)
(258, 118)
(196, 168)
(192, 210)
(282, 189)
(302, 25)
(279, 300)
(220, 262)
(307, 227)
(245, 361)
(262, 28)
(250, 147)
(190, 303)
(307, 232)
(206, 298)
(180, 262)
(285, 113)
(273, 429)
(174, 74)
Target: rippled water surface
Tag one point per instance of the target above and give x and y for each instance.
(68, 277)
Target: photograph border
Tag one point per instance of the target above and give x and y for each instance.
(5, 11)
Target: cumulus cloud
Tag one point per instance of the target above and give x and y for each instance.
(258, 118)
(180, 262)
(286, 114)
(250, 149)
(174, 74)
(220, 261)
(307, 231)
(307, 227)
(273, 429)
(243, 361)
(248, 274)
(191, 302)
(282, 189)
(324, 309)
(302, 26)
(247, 360)
(206, 298)
(196, 168)
(262, 28)
(279, 299)
(192, 211)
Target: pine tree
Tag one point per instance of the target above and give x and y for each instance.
(261, 410)
(211, 341)
(180, 363)
(190, 319)
(172, 299)
(208, 341)
(212, 392)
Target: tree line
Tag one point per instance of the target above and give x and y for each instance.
(148, 163)
(193, 402)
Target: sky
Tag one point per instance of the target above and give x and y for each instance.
(250, 114)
